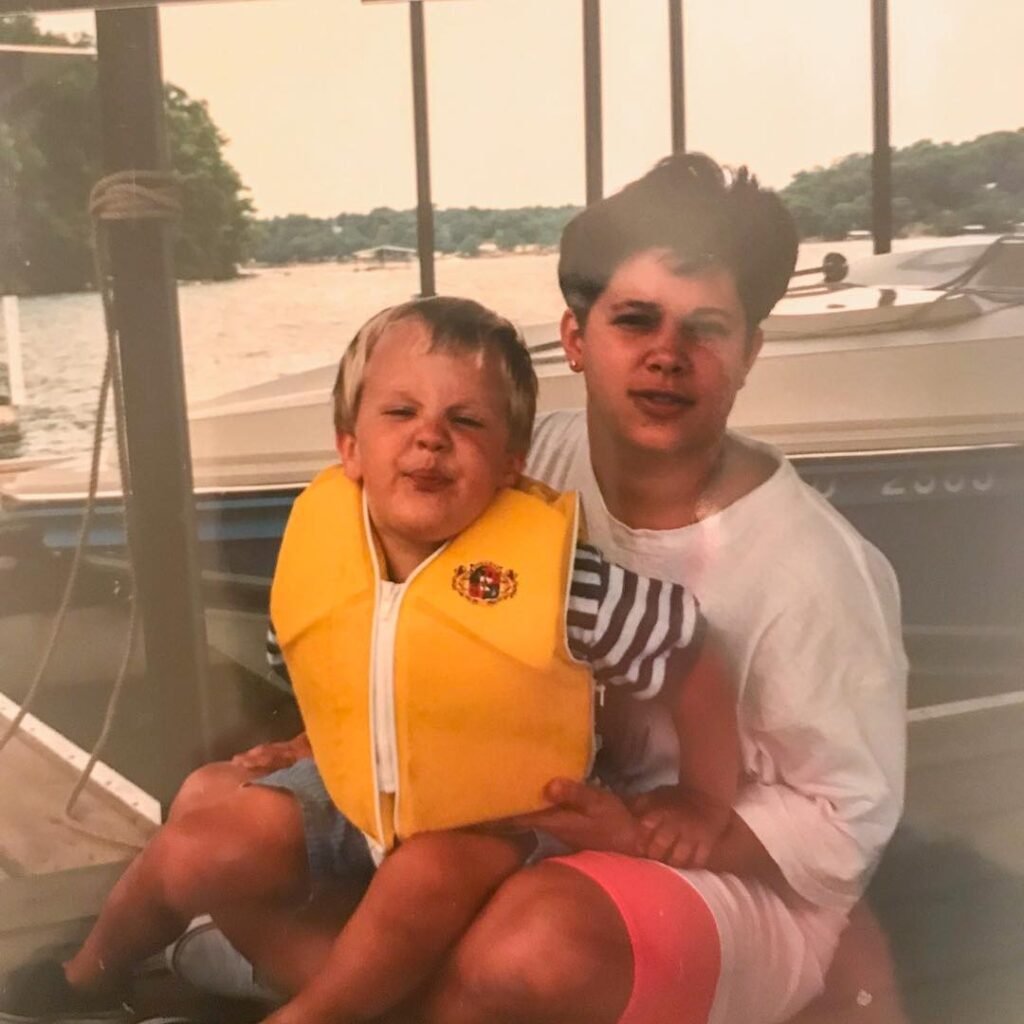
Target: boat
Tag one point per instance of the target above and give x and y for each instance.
(895, 390)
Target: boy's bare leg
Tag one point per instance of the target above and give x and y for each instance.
(419, 903)
(250, 848)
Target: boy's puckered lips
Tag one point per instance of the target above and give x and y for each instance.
(428, 479)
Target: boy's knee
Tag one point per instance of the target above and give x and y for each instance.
(207, 786)
(252, 846)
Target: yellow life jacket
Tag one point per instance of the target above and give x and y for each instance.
(486, 703)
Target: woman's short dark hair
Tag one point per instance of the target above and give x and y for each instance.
(688, 205)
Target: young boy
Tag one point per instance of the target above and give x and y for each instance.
(454, 595)
(440, 625)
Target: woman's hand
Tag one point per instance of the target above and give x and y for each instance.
(678, 827)
(586, 818)
(269, 757)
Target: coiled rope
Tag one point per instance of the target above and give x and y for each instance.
(123, 196)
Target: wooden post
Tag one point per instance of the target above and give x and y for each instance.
(145, 296)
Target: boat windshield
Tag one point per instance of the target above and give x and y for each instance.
(922, 268)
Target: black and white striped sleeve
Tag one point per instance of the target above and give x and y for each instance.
(275, 659)
(626, 626)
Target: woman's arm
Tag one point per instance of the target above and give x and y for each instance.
(268, 757)
(588, 817)
(739, 852)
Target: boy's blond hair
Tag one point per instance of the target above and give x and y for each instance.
(455, 325)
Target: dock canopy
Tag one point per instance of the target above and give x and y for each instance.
(44, 6)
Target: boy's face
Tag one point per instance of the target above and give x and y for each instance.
(430, 443)
(664, 354)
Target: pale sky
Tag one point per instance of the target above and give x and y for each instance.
(315, 95)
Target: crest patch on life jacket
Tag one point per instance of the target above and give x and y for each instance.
(484, 582)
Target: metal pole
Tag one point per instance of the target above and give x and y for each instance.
(424, 206)
(11, 79)
(676, 78)
(881, 158)
(145, 297)
(12, 338)
(592, 99)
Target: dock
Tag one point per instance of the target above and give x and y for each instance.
(949, 894)
(950, 890)
(55, 868)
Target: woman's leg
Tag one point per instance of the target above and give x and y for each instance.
(590, 939)
(420, 901)
(861, 983)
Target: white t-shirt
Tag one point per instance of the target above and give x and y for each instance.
(808, 613)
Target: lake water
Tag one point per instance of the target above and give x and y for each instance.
(269, 322)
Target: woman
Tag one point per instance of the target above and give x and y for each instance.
(666, 284)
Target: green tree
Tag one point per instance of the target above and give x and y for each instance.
(49, 161)
(214, 231)
(469, 244)
(937, 187)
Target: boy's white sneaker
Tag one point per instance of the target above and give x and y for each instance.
(205, 958)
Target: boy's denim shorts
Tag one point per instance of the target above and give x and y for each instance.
(335, 849)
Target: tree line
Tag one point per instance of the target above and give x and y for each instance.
(937, 189)
(298, 238)
(49, 160)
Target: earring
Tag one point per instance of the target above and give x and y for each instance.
(574, 366)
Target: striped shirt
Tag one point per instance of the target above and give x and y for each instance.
(623, 625)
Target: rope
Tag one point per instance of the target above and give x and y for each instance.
(135, 195)
(123, 196)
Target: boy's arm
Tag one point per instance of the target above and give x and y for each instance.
(705, 720)
(268, 757)
(681, 824)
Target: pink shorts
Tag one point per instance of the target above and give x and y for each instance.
(675, 942)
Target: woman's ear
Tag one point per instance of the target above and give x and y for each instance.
(572, 340)
(754, 343)
(348, 450)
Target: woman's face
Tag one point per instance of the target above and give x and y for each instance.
(664, 354)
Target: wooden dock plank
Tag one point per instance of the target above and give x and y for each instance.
(35, 832)
(950, 890)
